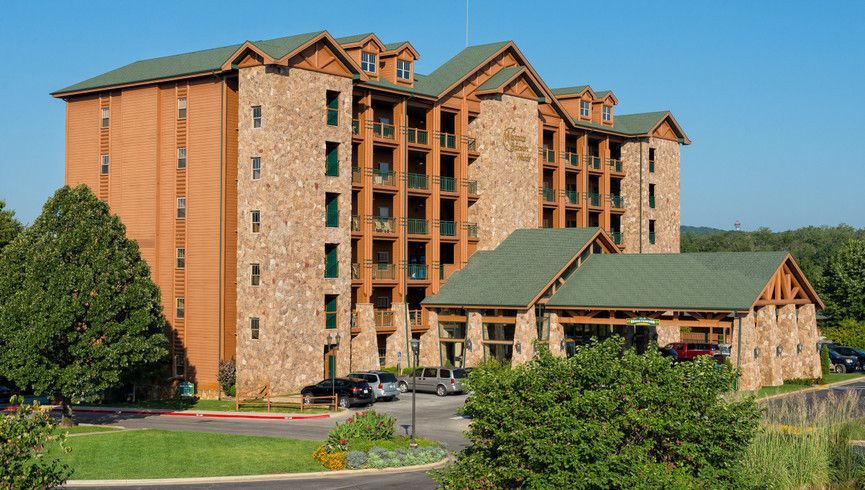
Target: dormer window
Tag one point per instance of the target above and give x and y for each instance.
(368, 62)
(608, 113)
(403, 69)
(585, 108)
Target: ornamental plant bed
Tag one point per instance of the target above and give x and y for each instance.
(367, 440)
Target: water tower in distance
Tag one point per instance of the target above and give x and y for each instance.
(737, 226)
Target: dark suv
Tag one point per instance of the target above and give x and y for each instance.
(350, 391)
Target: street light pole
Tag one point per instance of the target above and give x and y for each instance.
(415, 345)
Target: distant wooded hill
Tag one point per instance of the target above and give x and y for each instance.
(698, 230)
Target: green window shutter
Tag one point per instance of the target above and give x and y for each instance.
(332, 211)
(332, 167)
(331, 264)
(330, 311)
(332, 108)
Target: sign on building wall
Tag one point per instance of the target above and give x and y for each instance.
(516, 143)
(643, 322)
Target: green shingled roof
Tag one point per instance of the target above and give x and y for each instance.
(576, 89)
(353, 38)
(712, 281)
(392, 46)
(178, 65)
(516, 271)
(600, 94)
(500, 78)
(456, 68)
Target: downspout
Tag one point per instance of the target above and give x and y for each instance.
(219, 326)
(641, 197)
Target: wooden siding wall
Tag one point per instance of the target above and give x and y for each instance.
(142, 189)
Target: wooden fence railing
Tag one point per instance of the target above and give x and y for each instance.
(264, 398)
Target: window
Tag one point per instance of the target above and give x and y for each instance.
(181, 157)
(256, 168)
(181, 108)
(179, 365)
(332, 159)
(181, 258)
(651, 195)
(255, 274)
(608, 113)
(330, 310)
(332, 101)
(105, 119)
(331, 205)
(331, 264)
(403, 69)
(181, 207)
(103, 165)
(652, 231)
(651, 160)
(585, 109)
(181, 308)
(368, 62)
(256, 221)
(256, 116)
(254, 327)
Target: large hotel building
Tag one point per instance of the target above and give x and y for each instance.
(298, 198)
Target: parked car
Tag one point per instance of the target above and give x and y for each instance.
(441, 381)
(5, 394)
(844, 350)
(350, 391)
(840, 362)
(382, 384)
(688, 351)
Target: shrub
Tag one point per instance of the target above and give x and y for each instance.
(23, 436)
(227, 376)
(362, 425)
(331, 460)
(847, 332)
(356, 459)
(825, 363)
(603, 418)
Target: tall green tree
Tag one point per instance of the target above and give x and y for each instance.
(78, 310)
(844, 282)
(9, 226)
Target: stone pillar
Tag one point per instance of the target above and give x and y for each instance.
(429, 342)
(525, 333)
(364, 347)
(788, 332)
(397, 348)
(667, 334)
(768, 341)
(809, 358)
(749, 379)
(557, 335)
(474, 334)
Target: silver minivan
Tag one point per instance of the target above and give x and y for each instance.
(441, 381)
(383, 384)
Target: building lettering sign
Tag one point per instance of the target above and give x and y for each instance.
(516, 143)
(643, 322)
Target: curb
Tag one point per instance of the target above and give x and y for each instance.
(255, 478)
(814, 388)
(183, 413)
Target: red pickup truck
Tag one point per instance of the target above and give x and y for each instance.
(687, 351)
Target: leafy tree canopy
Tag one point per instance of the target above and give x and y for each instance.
(9, 226)
(844, 281)
(78, 311)
(24, 434)
(603, 419)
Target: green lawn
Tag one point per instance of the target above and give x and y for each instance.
(167, 454)
(210, 405)
(791, 386)
(398, 442)
(84, 429)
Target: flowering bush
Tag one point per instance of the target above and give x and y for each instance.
(362, 425)
(335, 460)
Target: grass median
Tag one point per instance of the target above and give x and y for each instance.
(133, 454)
(797, 385)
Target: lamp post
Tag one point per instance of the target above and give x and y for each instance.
(415, 347)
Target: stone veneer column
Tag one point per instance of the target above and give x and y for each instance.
(667, 334)
(666, 178)
(506, 170)
(788, 332)
(557, 335)
(430, 353)
(768, 340)
(290, 246)
(397, 347)
(808, 336)
(474, 333)
(749, 379)
(525, 332)
(364, 347)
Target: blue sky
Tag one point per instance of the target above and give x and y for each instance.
(771, 93)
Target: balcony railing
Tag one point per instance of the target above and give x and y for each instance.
(593, 162)
(355, 222)
(617, 201)
(384, 271)
(651, 201)
(471, 229)
(593, 199)
(417, 181)
(331, 168)
(652, 237)
(547, 154)
(471, 186)
(383, 177)
(447, 140)
(615, 165)
(416, 226)
(445, 271)
(355, 271)
(447, 228)
(571, 158)
(330, 319)
(383, 318)
(617, 237)
(548, 194)
(417, 136)
(382, 130)
(572, 197)
(331, 217)
(447, 184)
(471, 143)
(415, 318)
(417, 272)
(356, 175)
(381, 224)
(355, 127)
